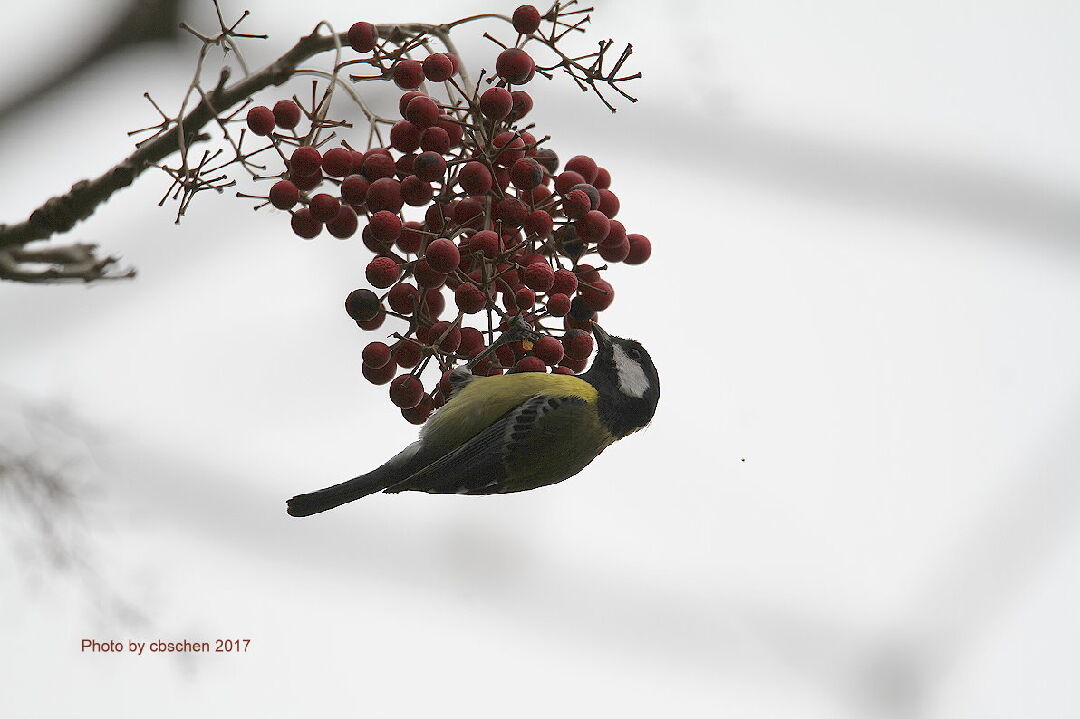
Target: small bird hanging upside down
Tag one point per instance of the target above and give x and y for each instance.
(510, 433)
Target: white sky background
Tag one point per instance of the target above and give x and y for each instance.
(864, 225)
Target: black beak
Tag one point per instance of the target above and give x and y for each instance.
(602, 338)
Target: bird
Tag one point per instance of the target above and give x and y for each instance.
(514, 432)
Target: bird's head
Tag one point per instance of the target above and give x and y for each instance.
(626, 379)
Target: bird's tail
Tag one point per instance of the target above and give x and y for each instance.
(393, 472)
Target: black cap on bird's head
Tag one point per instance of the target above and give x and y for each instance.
(627, 382)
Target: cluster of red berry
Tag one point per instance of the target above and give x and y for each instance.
(504, 230)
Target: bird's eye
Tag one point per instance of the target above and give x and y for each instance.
(634, 354)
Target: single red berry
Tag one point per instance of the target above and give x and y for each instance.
(284, 194)
(540, 194)
(406, 391)
(450, 337)
(539, 276)
(496, 103)
(429, 166)
(403, 297)
(573, 363)
(602, 181)
(260, 120)
(526, 173)
(409, 240)
(380, 375)
(578, 344)
(416, 192)
(405, 136)
(472, 342)
(385, 226)
(640, 249)
(438, 67)
(584, 166)
(406, 98)
(422, 112)
(515, 66)
(475, 178)
(376, 354)
(562, 370)
(576, 204)
(362, 305)
(286, 114)
(592, 192)
(539, 224)
(616, 234)
(407, 353)
(486, 242)
(363, 36)
(357, 161)
(324, 207)
(305, 225)
(616, 251)
(305, 160)
(426, 276)
(469, 298)
(558, 304)
(354, 190)
(344, 223)
(524, 298)
(510, 212)
(566, 282)
(377, 165)
(593, 227)
(435, 303)
(455, 61)
(549, 349)
(567, 180)
(587, 273)
(609, 203)
(511, 145)
(547, 159)
(404, 165)
(529, 364)
(599, 295)
(306, 183)
(523, 104)
(469, 212)
(337, 162)
(419, 413)
(407, 74)
(374, 323)
(526, 19)
(382, 272)
(384, 194)
(454, 132)
(435, 139)
(443, 255)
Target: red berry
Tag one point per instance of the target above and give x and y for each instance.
(599, 296)
(260, 120)
(510, 212)
(374, 323)
(406, 391)
(475, 178)
(307, 183)
(407, 353)
(572, 363)
(363, 36)
(304, 224)
(540, 194)
(380, 375)
(511, 145)
(592, 192)
(496, 103)
(558, 304)
(344, 224)
(405, 136)
(453, 130)
(602, 181)
(539, 224)
(451, 337)
(469, 298)
(385, 226)
(526, 173)
(354, 190)
(539, 276)
(472, 342)
(438, 67)
(435, 139)
(524, 298)
(523, 104)
(384, 194)
(593, 227)
(435, 303)
(578, 344)
(468, 212)
(376, 354)
(422, 112)
(407, 74)
(286, 114)
(406, 98)
(404, 165)
(529, 364)
(640, 249)
(549, 349)
(584, 166)
(547, 159)
(515, 66)
(403, 297)
(429, 166)
(409, 240)
(614, 252)
(588, 273)
(567, 180)
(362, 305)
(324, 207)
(284, 194)
(526, 19)
(486, 242)
(416, 192)
(337, 162)
(377, 165)
(443, 255)
(561, 369)
(305, 160)
(566, 282)
(576, 204)
(419, 413)
(609, 203)
(616, 234)
(382, 272)
(426, 276)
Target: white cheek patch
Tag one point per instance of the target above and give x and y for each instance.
(632, 379)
